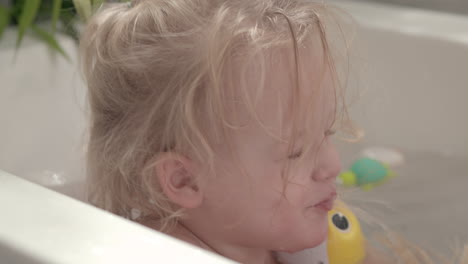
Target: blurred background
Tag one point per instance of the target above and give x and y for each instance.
(453, 6)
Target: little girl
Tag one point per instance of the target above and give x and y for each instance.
(211, 120)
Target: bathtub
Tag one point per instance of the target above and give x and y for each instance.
(413, 71)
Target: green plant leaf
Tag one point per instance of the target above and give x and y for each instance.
(27, 16)
(84, 8)
(4, 19)
(56, 6)
(67, 17)
(50, 40)
(97, 4)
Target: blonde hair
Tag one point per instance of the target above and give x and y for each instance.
(155, 71)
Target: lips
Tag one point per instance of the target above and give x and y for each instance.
(327, 203)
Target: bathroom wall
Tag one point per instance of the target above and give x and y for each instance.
(455, 6)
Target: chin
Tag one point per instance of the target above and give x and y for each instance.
(311, 240)
(318, 239)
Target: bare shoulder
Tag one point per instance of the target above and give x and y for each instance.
(177, 232)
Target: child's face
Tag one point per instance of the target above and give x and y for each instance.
(258, 207)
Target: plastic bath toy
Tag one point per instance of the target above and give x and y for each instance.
(346, 242)
(345, 245)
(366, 173)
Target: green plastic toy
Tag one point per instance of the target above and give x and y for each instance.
(366, 173)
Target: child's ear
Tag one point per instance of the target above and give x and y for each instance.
(179, 181)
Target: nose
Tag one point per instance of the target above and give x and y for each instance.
(328, 163)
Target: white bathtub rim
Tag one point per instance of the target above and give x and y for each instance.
(49, 227)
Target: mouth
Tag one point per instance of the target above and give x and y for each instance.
(327, 203)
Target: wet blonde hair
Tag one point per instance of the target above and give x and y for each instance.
(155, 71)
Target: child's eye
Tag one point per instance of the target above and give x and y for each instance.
(330, 132)
(295, 155)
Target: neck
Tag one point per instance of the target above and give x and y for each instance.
(231, 251)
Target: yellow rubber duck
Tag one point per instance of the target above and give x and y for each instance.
(346, 242)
